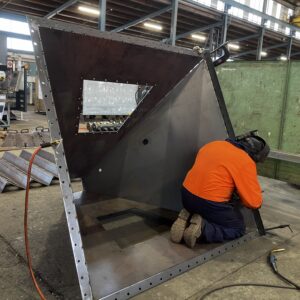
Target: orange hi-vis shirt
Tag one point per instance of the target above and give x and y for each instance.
(219, 169)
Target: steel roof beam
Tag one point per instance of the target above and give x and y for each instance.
(142, 19)
(200, 29)
(174, 22)
(255, 50)
(245, 38)
(60, 8)
(248, 9)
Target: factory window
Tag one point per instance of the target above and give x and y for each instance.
(107, 105)
(237, 12)
(258, 5)
(14, 26)
(19, 44)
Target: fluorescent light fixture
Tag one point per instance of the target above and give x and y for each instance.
(153, 26)
(89, 10)
(283, 57)
(198, 37)
(264, 53)
(233, 46)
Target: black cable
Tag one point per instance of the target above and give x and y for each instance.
(246, 284)
(288, 280)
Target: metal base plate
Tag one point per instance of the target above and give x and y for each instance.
(128, 248)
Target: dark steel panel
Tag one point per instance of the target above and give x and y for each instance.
(13, 174)
(187, 118)
(145, 161)
(108, 59)
(38, 174)
(41, 162)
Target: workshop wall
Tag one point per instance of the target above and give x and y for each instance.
(266, 96)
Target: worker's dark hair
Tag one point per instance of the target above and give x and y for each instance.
(254, 145)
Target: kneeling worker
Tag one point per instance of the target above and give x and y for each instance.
(220, 169)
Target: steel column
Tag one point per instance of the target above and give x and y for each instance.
(60, 8)
(174, 22)
(225, 24)
(289, 48)
(262, 32)
(142, 19)
(260, 44)
(102, 15)
(3, 48)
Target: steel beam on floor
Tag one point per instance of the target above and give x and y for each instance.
(60, 8)
(41, 162)
(102, 15)
(142, 19)
(13, 174)
(38, 174)
(3, 183)
(174, 22)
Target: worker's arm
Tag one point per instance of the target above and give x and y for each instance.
(248, 186)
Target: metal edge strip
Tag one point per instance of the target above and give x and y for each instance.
(177, 270)
(79, 29)
(64, 177)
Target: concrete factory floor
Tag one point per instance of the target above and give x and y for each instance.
(53, 260)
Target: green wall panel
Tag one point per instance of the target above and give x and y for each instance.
(291, 126)
(266, 96)
(253, 95)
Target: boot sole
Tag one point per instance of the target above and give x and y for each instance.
(193, 232)
(179, 226)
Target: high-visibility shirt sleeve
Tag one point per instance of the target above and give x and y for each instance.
(248, 186)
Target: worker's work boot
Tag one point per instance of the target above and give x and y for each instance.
(193, 232)
(179, 226)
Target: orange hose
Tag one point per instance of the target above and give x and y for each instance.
(29, 261)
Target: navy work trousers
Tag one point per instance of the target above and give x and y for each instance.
(221, 221)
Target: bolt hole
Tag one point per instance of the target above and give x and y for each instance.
(188, 266)
(81, 277)
(160, 279)
(150, 283)
(128, 294)
(145, 142)
(140, 288)
(170, 274)
(179, 270)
